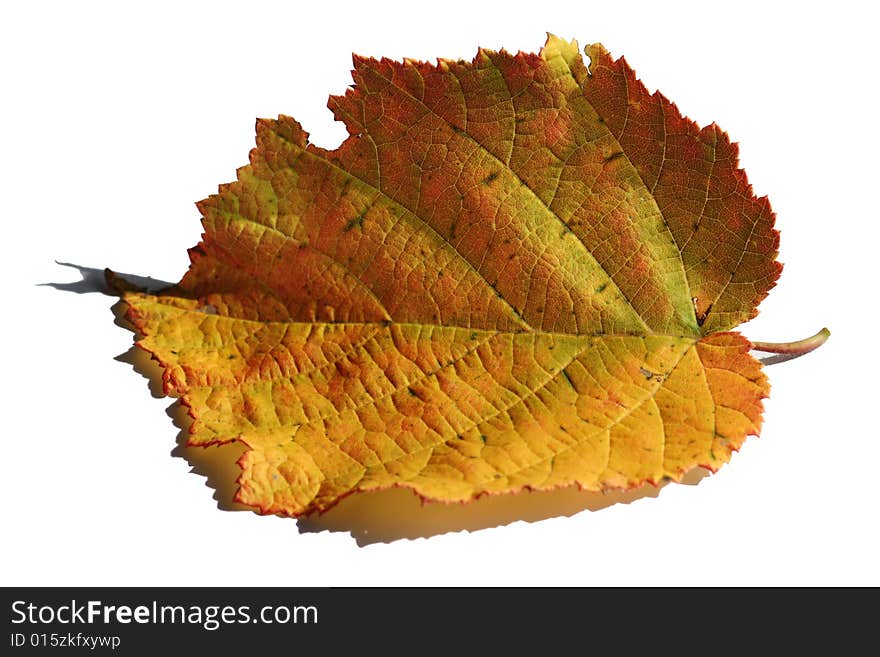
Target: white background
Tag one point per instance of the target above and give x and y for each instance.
(116, 119)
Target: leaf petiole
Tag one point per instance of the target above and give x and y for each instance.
(797, 348)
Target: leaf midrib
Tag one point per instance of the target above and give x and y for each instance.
(553, 334)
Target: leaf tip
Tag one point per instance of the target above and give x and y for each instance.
(557, 46)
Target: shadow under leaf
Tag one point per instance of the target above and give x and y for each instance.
(393, 514)
(775, 359)
(94, 280)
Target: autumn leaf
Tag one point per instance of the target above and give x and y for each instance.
(518, 272)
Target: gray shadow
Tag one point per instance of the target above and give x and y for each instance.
(778, 358)
(94, 280)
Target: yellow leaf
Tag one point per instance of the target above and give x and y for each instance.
(516, 273)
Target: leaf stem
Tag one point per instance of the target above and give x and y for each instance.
(798, 348)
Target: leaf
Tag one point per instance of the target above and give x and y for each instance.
(516, 273)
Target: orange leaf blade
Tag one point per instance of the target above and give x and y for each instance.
(518, 272)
